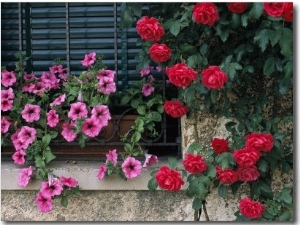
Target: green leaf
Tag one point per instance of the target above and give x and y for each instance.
(155, 116)
(257, 10)
(288, 69)
(244, 20)
(211, 171)
(136, 9)
(136, 137)
(197, 204)
(188, 49)
(262, 39)
(262, 165)
(141, 110)
(126, 18)
(235, 20)
(125, 99)
(39, 162)
(285, 216)
(128, 147)
(49, 156)
(172, 162)
(46, 139)
(194, 60)
(275, 36)
(152, 184)
(222, 191)
(175, 27)
(284, 86)
(189, 95)
(286, 42)
(64, 201)
(194, 147)
(269, 66)
(213, 95)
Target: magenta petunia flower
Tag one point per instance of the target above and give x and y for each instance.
(38, 88)
(52, 118)
(89, 59)
(29, 87)
(147, 89)
(106, 73)
(8, 78)
(67, 132)
(44, 202)
(131, 167)
(101, 112)
(59, 71)
(101, 172)
(146, 71)
(4, 125)
(19, 157)
(49, 80)
(112, 156)
(91, 127)
(7, 94)
(6, 104)
(150, 159)
(52, 187)
(158, 68)
(107, 85)
(29, 76)
(27, 135)
(31, 113)
(24, 176)
(77, 110)
(59, 100)
(68, 181)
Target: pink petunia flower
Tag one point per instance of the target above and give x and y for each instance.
(112, 156)
(44, 202)
(19, 157)
(52, 187)
(38, 88)
(6, 104)
(107, 85)
(59, 71)
(158, 68)
(89, 59)
(29, 76)
(4, 125)
(106, 73)
(131, 167)
(146, 71)
(150, 159)
(59, 100)
(102, 171)
(101, 112)
(31, 113)
(7, 94)
(27, 135)
(52, 118)
(29, 87)
(24, 176)
(67, 132)
(78, 110)
(68, 181)
(8, 78)
(147, 89)
(49, 80)
(91, 127)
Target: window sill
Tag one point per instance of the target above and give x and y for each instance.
(85, 172)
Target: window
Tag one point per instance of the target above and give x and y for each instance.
(47, 31)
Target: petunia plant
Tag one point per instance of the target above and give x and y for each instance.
(233, 60)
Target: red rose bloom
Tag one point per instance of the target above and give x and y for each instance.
(160, 52)
(169, 179)
(194, 164)
(251, 209)
(247, 173)
(237, 7)
(288, 12)
(226, 176)
(260, 141)
(149, 29)
(175, 109)
(180, 75)
(205, 13)
(220, 145)
(246, 156)
(274, 9)
(213, 77)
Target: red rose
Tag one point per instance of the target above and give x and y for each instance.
(175, 109)
(226, 176)
(237, 7)
(251, 209)
(169, 179)
(274, 9)
(246, 156)
(220, 145)
(213, 77)
(247, 173)
(180, 75)
(149, 29)
(205, 13)
(194, 164)
(260, 141)
(288, 12)
(160, 52)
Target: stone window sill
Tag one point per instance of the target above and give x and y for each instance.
(85, 172)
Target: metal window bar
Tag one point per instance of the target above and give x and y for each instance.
(163, 139)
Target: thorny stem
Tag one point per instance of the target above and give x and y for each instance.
(205, 211)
